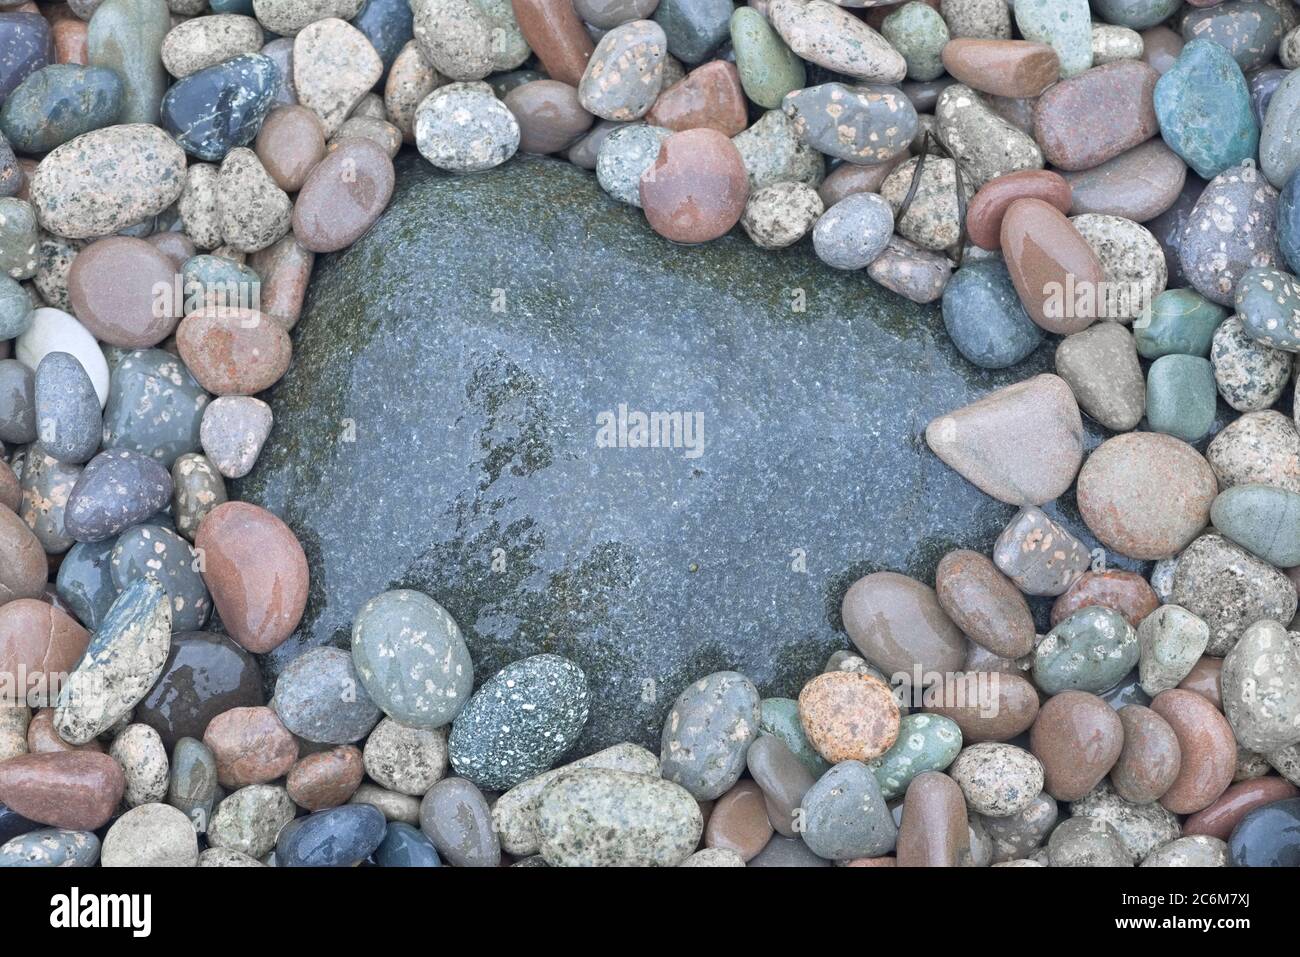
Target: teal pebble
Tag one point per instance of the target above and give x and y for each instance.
(768, 68)
(60, 102)
(1092, 650)
(1135, 14)
(1269, 303)
(218, 281)
(1261, 519)
(926, 742)
(1180, 322)
(780, 719)
(1181, 396)
(1203, 104)
(694, 28)
(1064, 24)
(918, 32)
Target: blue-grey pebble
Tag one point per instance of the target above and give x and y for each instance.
(1250, 30)
(338, 837)
(845, 815)
(388, 25)
(520, 721)
(1263, 84)
(1268, 301)
(218, 108)
(1204, 108)
(406, 846)
(1262, 519)
(985, 318)
(1288, 222)
(17, 403)
(708, 732)
(1135, 14)
(853, 232)
(85, 581)
(192, 782)
(69, 421)
(26, 45)
(864, 124)
(319, 697)
(1092, 650)
(15, 308)
(456, 818)
(155, 406)
(160, 552)
(51, 847)
(1231, 230)
(117, 489)
(216, 280)
(694, 28)
(59, 102)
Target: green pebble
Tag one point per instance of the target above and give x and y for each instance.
(1180, 322)
(1261, 519)
(780, 718)
(1092, 650)
(1181, 396)
(1064, 24)
(918, 32)
(768, 68)
(926, 742)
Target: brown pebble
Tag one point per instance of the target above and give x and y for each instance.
(1077, 738)
(1151, 759)
(1208, 748)
(899, 626)
(23, 566)
(984, 603)
(71, 41)
(176, 246)
(285, 268)
(41, 642)
(43, 738)
(987, 705)
(233, 350)
(1015, 68)
(1050, 263)
(77, 790)
(556, 34)
(1219, 819)
(935, 831)
(326, 779)
(343, 196)
(710, 96)
(549, 115)
(290, 144)
(697, 188)
(739, 821)
(1160, 48)
(113, 285)
(848, 716)
(849, 178)
(256, 571)
(250, 745)
(1125, 592)
(1088, 119)
(1203, 680)
(989, 206)
(1139, 184)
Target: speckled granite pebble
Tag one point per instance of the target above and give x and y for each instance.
(625, 154)
(853, 232)
(152, 835)
(1249, 375)
(463, 127)
(998, 780)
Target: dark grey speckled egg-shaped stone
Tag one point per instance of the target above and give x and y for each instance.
(117, 489)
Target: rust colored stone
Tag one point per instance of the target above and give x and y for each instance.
(935, 831)
(1016, 68)
(739, 821)
(849, 178)
(1125, 592)
(256, 571)
(710, 96)
(1151, 759)
(848, 716)
(290, 144)
(1088, 119)
(989, 205)
(77, 790)
(23, 565)
(549, 114)
(556, 34)
(344, 195)
(1050, 263)
(176, 246)
(987, 706)
(1077, 737)
(42, 738)
(984, 603)
(1223, 815)
(39, 647)
(1208, 748)
(327, 778)
(697, 188)
(285, 268)
(251, 746)
(70, 41)
(1203, 679)
(233, 350)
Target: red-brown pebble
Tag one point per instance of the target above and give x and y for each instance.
(1204, 680)
(984, 603)
(233, 350)
(1077, 737)
(556, 34)
(40, 642)
(1223, 815)
(849, 178)
(326, 779)
(848, 716)
(696, 190)
(1016, 68)
(256, 571)
(11, 496)
(1125, 592)
(1208, 748)
(739, 821)
(1088, 119)
(77, 790)
(42, 738)
(549, 115)
(1151, 759)
(1047, 257)
(250, 745)
(285, 268)
(989, 206)
(23, 566)
(71, 41)
(987, 706)
(709, 96)
(935, 831)
(343, 196)
(114, 284)
(899, 626)
(290, 144)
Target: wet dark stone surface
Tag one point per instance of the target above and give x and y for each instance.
(205, 675)
(419, 431)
